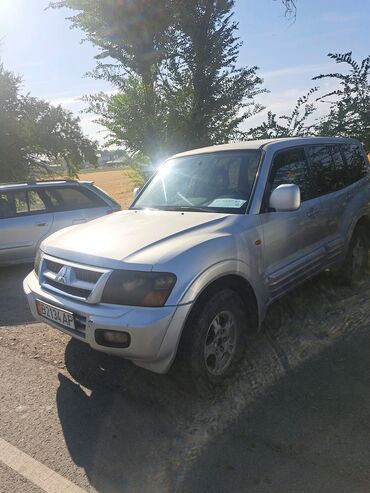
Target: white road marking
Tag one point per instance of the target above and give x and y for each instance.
(34, 471)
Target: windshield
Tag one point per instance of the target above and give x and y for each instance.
(213, 182)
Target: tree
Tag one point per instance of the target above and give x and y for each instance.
(349, 111)
(32, 133)
(173, 63)
(296, 124)
(290, 7)
(133, 38)
(209, 96)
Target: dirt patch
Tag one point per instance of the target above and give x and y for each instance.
(115, 182)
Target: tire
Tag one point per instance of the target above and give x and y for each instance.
(213, 341)
(355, 265)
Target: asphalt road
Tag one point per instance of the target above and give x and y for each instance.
(296, 418)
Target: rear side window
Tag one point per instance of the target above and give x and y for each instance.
(72, 198)
(356, 163)
(341, 171)
(323, 170)
(290, 167)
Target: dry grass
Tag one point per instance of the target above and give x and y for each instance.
(115, 182)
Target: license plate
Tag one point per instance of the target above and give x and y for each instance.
(54, 314)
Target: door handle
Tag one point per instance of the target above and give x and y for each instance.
(313, 212)
(40, 225)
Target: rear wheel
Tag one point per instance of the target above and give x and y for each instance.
(214, 340)
(355, 264)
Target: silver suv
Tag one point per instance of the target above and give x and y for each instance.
(211, 241)
(29, 212)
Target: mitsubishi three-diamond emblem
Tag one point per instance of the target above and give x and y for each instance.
(64, 275)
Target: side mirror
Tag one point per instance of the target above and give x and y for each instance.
(285, 198)
(136, 192)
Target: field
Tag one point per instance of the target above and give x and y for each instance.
(115, 182)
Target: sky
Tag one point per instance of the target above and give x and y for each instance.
(38, 44)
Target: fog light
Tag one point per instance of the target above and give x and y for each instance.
(112, 338)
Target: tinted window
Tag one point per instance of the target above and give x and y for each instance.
(341, 172)
(70, 198)
(6, 206)
(356, 162)
(291, 167)
(36, 204)
(323, 170)
(20, 202)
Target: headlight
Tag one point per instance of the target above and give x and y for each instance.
(37, 262)
(135, 288)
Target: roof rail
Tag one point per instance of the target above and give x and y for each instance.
(36, 182)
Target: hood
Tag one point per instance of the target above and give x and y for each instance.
(138, 238)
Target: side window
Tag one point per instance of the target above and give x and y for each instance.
(72, 198)
(35, 202)
(341, 172)
(20, 202)
(356, 163)
(6, 205)
(291, 167)
(323, 170)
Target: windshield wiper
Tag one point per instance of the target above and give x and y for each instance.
(186, 208)
(177, 208)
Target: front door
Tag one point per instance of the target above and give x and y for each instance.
(293, 241)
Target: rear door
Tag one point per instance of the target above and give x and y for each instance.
(330, 180)
(74, 205)
(293, 247)
(24, 222)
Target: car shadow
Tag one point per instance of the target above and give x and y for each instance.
(14, 308)
(121, 424)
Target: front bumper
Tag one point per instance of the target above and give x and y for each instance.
(154, 332)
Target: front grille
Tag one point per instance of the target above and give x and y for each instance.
(79, 292)
(53, 266)
(87, 275)
(72, 280)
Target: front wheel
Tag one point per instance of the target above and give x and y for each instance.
(214, 340)
(355, 264)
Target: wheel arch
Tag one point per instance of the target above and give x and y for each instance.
(237, 283)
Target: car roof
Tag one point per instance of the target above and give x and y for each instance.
(273, 144)
(43, 183)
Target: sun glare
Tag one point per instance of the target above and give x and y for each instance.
(8, 9)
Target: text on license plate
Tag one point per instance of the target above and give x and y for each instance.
(50, 312)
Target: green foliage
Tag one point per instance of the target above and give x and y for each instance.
(349, 113)
(294, 125)
(129, 123)
(133, 38)
(208, 96)
(173, 63)
(140, 170)
(33, 133)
